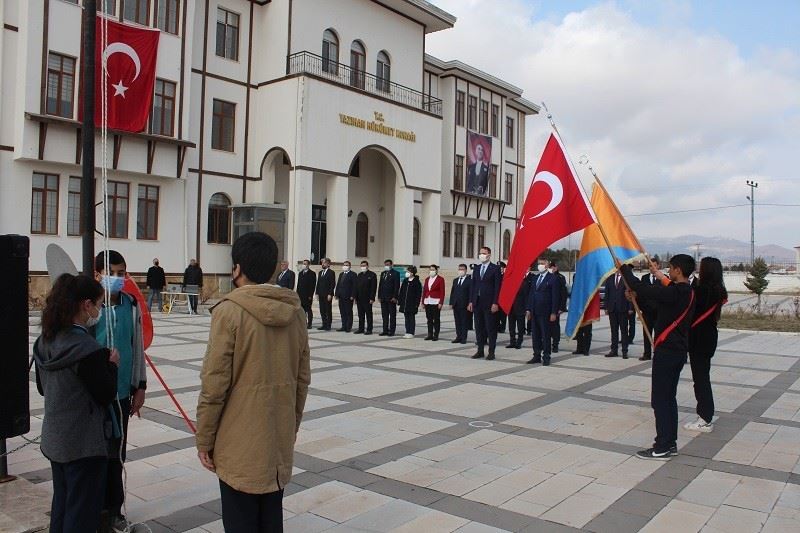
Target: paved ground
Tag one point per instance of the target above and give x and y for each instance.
(408, 435)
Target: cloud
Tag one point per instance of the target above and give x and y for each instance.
(671, 118)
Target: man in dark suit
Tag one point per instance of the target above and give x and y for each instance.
(326, 284)
(484, 292)
(542, 308)
(388, 289)
(478, 173)
(516, 319)
(649, 310)
(502, 318)
(366, 286)
(562, 304)
(346, 294)
(306, 283)
(618, 309)
(459, 300)
(285, 277)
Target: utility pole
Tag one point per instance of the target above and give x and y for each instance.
(697, 246)
(753, 186)
(87, 136)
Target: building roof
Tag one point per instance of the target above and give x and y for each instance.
(433, 18)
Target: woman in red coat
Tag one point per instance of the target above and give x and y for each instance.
(432, 299)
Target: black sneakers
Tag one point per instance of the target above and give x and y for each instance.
(654, 455)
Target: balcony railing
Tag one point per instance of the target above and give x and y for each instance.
(312, 64)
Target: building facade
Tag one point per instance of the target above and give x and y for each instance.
(323, 123)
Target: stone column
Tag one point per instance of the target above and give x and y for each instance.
(404, 225)
(298, 216)
(430, 231)
(337, 218)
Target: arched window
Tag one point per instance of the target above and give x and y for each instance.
(358, 64)
(330, 52)
(219, 219)
(506, 244)
(383, 72)
(362, 235)
(415, 245)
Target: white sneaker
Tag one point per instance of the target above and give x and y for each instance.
(699, 425)
(408, 336)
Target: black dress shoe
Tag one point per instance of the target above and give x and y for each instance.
(478, 355)
(612, 354)
(534, 361)
(511, 345)
(576, 352)
(322, 328)
(383, 334)
(586, 352)
(435, 338)
(340, 329)
(555, 349)
(358, 332)
(455, 341)
(428, 338)
(546, 362)
(490, 357)
(309, 326)
(463, 342)
(624, 355)
(645, 357)
(518, 346)
(347, 331)
(367, 333)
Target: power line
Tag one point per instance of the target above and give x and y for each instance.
(708, 209)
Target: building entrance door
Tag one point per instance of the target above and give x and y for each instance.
(319, 232)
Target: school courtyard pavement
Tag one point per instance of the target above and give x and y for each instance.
(414, 436)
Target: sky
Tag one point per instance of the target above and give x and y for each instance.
(676, 104)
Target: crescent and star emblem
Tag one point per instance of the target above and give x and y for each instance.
(552, 181)
(121, 48)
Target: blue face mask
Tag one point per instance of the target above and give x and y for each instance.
(112, 284)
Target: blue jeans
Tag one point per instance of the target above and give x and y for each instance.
(154, 295)
(78, 490)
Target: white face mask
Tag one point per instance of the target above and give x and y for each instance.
(551, 270)
(432, 273)
(541, 268)
(462, 273)
(483, 258)
(305, 267)
(345, 268)
(408, 274)
(93, 320)
(363, 269)
(387, 268)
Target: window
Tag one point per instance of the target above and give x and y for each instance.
(481, 237)
(472, 112)
(167, 15)
(458, 173)
(358, 64)
(383, 72)
(510, 132)
(74, 206)
(118, 209)
(458, 240)
(509, 187)
(136, 11)
(460, 108)
(415, 237)
(362, 235)
(147, 213)
(219, 219)
(223, 121)
(495, 119)
(446, 239)
(492, 181)
(506, 244)
(162, 118)
(44, 204)
(109, 7)
(60, 85)
(330, 52)
(227, 34)
(484, 116)
(470, 250)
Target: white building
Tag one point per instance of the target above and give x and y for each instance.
(322, 122)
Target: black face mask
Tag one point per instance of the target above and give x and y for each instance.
(156, 263)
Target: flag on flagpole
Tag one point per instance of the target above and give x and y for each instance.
(555, 206)
(595, 262)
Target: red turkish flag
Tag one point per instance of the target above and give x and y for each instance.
(128, 62)
(554, 207)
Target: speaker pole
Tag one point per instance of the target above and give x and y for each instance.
(4, 477)
(87, 178)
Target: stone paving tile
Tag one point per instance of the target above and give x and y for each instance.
(355, 354)
(469, 399)
(556, 378)
(448, 365)
(764, 445)
(367, 382)
(786, 408)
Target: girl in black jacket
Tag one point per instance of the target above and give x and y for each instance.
(710, 295)
(410, 295)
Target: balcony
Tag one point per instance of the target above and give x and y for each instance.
(310, 64)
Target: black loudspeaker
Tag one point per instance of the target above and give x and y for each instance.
(14, 407)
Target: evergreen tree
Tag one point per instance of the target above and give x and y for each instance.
(757, 279)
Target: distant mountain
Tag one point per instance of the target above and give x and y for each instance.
(724, 248)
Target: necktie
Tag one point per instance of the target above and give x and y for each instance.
(460, 281)
(539, 280)
(483, 270)
(617, 280)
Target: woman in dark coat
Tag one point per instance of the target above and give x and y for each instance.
(410, 295)
(710, 296)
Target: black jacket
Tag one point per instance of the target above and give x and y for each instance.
(614, 296)
(703, 337)
(459, 293)
(285, 279)
(389, 286)
(562, 291)
(544, 299)
(487, 287)
(156, 279)
(648, 306)
(306, 283)
(366, 286)
(671, 301)
(410, 295)
(193, 275)
(521, 299)
(346, 285)
(326, 283)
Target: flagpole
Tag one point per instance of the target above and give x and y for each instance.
(617, 262)
(87, 137)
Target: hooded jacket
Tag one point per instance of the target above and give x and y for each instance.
(255, 380)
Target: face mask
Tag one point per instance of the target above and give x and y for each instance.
(483, 258)
(93, 320)
(408, 274)
(363, 269)
(432, 273)
(305, 267)
(387, 268)
(462, 273)
(541, 268)
(156, 263)
(551, 270)
(345, 268)
(112, 284)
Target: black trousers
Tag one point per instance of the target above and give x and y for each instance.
(389, 315)
(364, 313)
(542, 327)
(461, 318)
(433, 315)
(618, 321)
(325, 311)
(251, 513)
(650, 319)
(555, 331)
(631, 327)
(667, 368)
(485, 327)
(346, 313)
(584, 339)
(502, 320)
(309, 312)
(115, 491)
(701, 375)
(516, 328)
(411, 322)
(193, 303)
(78, 491)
